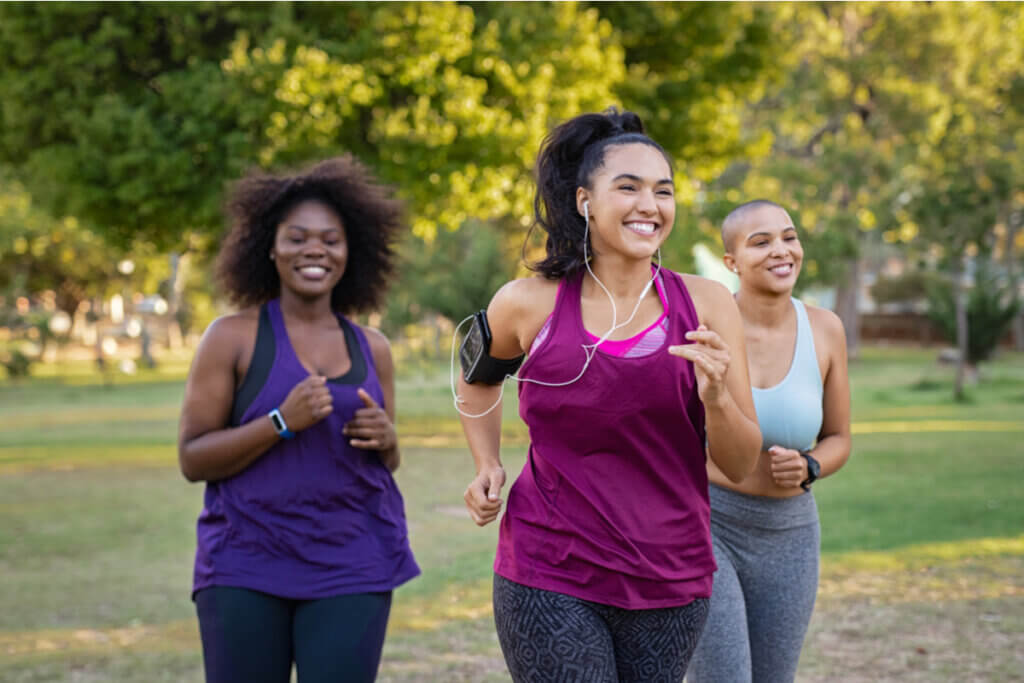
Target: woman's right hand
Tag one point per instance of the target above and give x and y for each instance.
(307, 403)
(483, 495)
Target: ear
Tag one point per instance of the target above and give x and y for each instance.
(730, 261)
(581, 198)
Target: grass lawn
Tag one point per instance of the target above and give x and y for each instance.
(922, 533)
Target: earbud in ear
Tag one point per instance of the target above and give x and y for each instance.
(586, 207)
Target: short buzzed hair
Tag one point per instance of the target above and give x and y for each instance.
(736, 216)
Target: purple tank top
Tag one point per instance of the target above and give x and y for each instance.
(612, 504)
(312, 517)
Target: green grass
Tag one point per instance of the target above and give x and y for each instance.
(97, 537)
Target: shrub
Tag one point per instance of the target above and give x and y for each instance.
(991, 307)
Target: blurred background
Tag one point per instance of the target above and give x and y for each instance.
(891, 131)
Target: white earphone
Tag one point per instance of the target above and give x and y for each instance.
(586, 207)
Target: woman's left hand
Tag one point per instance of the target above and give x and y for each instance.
(370, 428)
(789, 468)
(710, 357)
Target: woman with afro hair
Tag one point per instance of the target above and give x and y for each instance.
(288, 417)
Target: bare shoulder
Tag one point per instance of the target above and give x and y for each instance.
(521, 296)
(232, 331)
(517, 313)
(379, 343)
(826, 324)
(226, 345)
(712, 299)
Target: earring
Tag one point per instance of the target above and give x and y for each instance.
(271, 256)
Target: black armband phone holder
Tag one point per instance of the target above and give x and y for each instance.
(478, 366)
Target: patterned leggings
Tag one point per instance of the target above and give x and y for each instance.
(548, 636)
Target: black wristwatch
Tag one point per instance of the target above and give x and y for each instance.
(813, 471)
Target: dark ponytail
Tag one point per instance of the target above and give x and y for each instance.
(568, 158)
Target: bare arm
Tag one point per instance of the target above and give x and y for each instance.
(832, 450)
(373, 427)
(720, 362)
(208, 447)
(834, 443)
(515, 315)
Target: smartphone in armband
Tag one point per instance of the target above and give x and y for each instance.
(478, 366)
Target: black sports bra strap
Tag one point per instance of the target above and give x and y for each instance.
(259, 368)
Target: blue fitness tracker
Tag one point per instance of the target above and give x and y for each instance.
(279, 425)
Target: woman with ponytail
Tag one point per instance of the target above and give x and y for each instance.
(604, 564)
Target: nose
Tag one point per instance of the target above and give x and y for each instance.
(314, 248)
(646, 202)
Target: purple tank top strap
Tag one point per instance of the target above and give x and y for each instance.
(285, 358)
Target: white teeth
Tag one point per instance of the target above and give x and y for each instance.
(783, 269)
(643, 228)
(315, 271)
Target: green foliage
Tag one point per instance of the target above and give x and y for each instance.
(991, 307)
(457, 275)
(914, 285)
(133, 116)
(15, 362)
(38, 252)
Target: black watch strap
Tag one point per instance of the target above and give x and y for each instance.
(813, 470)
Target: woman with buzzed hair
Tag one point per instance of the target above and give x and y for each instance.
(764, 528)
(289, 418)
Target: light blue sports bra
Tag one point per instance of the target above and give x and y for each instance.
(790, 412)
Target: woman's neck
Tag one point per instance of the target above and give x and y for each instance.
(764, 309)
(623, 278)
(306, 309)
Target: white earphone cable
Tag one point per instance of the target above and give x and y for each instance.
(588, 349)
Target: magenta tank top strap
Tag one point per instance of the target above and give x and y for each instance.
(681, 307)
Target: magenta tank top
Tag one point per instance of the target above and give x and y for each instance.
(612, 504)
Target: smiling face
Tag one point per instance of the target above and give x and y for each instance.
(632, 202)
(765, 250)
(310, 249)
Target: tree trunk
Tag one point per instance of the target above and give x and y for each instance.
(179, 272)
(960, 303)
(846, 306)
(1013, 224)
(1018, 331)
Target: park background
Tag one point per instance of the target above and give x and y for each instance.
(892, 132)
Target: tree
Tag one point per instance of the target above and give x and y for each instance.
(132, 117)
(869, 86)
(38, 252)
(989, 308)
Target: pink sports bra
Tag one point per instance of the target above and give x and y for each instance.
(640, 344)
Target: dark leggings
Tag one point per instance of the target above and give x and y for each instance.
(253, 637)
(548, 636)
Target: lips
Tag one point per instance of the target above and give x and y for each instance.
(642, 228)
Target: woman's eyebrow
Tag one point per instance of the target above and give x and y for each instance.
(638, 179)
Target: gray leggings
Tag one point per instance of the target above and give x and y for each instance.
(767, 554)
